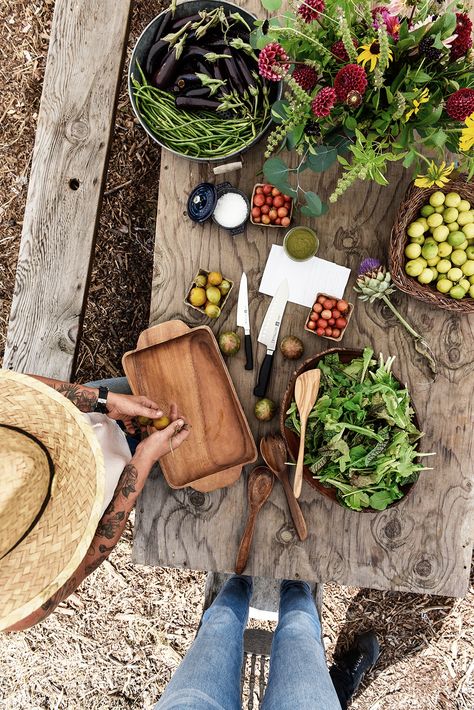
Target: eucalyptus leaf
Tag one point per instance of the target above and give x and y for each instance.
(271, 5)
(280, 111)
(324, 157)
(314, 206)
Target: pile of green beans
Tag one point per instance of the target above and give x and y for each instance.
(196, 134)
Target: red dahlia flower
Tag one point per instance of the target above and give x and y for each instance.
(339, 50)
(323, 102)
(352, 77)
(463, 42)
(460, 105)
(310, 9)
(270, 56)
(306, 77)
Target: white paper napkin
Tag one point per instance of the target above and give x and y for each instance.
(305, 278)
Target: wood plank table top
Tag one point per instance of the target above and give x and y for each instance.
(422, 545)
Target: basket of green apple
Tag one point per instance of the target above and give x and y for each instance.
(432, 246)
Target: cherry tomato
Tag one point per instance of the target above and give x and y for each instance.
(332, 321)
(285, 221)
(328, 303)
(328, 332)
(336, 313)
(255, 212)
(342, 306)
(320, 331)
(336, 332)
(321, 299)
(269, 200)
(326, 314)
(278, 201)
(322, 323)
(273, 214)
(317, 308)
(259, 200)
(282, 212)
(278, 221)
(259, 190)
(314, 317)
(341, 323)
(265, 219)
(265, 209)
(311, 325)
(267, 189)
(276, 192)
(257, 219)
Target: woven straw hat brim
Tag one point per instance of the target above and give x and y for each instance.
(40, 565)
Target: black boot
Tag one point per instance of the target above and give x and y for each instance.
(348, 670)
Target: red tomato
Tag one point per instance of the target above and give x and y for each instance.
(336, 332)
(257, 219)
(278, 221)
(287, 198)
(328, 303)
(265, 219)
(328, 332)
(336, 313)
(278, 201)
(332, 321)
(267, 189)
(265, 209)
(255, 212)
(317, 308)
(341, 323)
(276, 192)
(311, 325)
(259, 200)
(326, 314)
(322, 323)
(314, 317)
(282, 212)
(342, 306)
(320, 331)
(273, 214)
(269, 200)
(321, 299)
(258, 190)
(285, 221)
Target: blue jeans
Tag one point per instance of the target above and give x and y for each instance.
(209, 676)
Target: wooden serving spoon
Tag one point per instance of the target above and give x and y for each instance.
(259, 487)
(274, 453)
(306, 393)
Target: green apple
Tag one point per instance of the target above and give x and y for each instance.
(426, 276)
(429, 250)
(464, 206)
(415, 229)
(458, 257)
(426, 210)
(471, 291)
(434, 220)
(440, 234)
(470, 252)
(466, 218)
(468, 230)
(450, 215)
(444, 285)
(414, 267)
(453, 227)
(456, 238)
(467, 268)
(444, 250)
(452, 199)
(457, 292)
(443, 266)
(454, 274)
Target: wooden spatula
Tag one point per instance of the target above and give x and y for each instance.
(259, 487)
(306, 393)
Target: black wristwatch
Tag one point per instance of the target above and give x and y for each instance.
(101, 405)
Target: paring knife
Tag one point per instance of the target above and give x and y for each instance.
(243, 319)
(269, 335)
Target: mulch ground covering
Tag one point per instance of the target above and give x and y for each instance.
(117, 640)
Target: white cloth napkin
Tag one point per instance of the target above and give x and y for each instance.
(305, 278)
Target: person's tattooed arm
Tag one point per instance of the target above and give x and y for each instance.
(85, 398)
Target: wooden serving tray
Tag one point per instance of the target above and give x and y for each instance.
(175, 363)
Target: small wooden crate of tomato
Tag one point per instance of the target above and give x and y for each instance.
(329, 317)
(270, 207)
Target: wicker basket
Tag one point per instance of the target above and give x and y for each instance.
(414, 199)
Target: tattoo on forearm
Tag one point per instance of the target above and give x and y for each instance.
(94, 565)
(83, 399)
(107, 528)
(128, 480)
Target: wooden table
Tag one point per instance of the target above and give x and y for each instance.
(422, 545)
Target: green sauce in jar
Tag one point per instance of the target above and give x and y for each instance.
(301, 243)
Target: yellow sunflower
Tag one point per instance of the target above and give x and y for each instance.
(466, 142)
(371, 53)
(435, 175)
(422, 98)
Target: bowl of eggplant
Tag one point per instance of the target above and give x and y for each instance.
(194, 83)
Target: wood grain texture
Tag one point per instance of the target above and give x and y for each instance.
(422, 545)
(75, 124)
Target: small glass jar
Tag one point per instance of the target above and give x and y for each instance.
(301, 243)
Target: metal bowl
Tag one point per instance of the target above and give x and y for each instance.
(142, 48)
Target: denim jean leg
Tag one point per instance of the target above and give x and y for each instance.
(299, 677)
(119, 385)
(209, 676)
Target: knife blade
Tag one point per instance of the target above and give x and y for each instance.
(243, 319)
(269, 335)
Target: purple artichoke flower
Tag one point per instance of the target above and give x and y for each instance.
(368, 265)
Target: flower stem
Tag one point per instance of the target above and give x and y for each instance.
(388, 302)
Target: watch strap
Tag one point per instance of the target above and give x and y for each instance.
(101, 405)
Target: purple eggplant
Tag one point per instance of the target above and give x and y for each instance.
(155, 56)
(196, 104)
(202, 93)
(163, 26)
(243, 69)
(167, 71)
(184, 82)
(179, 24)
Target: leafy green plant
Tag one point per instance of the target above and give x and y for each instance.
(360, 437)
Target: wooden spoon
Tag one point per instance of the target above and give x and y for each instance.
(306, 393)
(259, 487)
(274, 453)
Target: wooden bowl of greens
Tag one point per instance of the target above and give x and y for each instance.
(362, 434)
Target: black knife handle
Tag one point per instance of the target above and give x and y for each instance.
(248, 353)
(264, 376)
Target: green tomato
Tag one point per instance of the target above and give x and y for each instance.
(423, 221)
(454, 274)
(415, 229)
(453, 227)
(444, 250)
(466, 218)
(468, 268)
(443, 266)
(426, 276)
(457, 292)
(429, 250)
(426, 210)
(440, 234)
(452, 199)
(412, 251)
(458, 257)
(450, 215)
(414, 267)
(444, 285)
(433, 261)
(434, 220)
(464, 206)
(456, 238)
(468, 230)
(470, 252)
(471, 291)
(464, 283)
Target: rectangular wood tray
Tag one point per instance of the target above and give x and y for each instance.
(189, 370)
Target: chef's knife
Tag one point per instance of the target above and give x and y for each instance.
(269, 335)
(243, 319)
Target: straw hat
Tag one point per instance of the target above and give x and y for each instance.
(51, 493)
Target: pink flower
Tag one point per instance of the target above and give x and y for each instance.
(392, 22)
(323, 102)
(273, 56)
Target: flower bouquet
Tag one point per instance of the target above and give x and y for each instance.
(366, 85)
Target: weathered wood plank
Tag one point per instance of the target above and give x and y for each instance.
(422, 545)
(75, 125)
